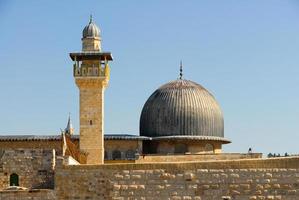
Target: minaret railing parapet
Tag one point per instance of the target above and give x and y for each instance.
(89, 70)
(91, 64)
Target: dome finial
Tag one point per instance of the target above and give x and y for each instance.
(181, 70)
(90, 19)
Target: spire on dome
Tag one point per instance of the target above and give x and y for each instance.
(181, 70)
(90, 19)
(69, 127)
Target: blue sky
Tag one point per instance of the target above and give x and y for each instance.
(244, 52)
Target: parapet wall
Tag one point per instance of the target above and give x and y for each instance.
(276, 178)
(155, 158)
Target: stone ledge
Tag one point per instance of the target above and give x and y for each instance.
(269, 163)
(27, 191)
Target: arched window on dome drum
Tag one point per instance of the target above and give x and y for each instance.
(130, 155)
(209, 148)
(180, 148)
(14, 180)
(116, 155)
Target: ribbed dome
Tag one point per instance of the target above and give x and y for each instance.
(181, 108)
(91, 30)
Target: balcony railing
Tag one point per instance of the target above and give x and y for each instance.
(89, 71)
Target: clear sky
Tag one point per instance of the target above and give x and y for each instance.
(244, 52)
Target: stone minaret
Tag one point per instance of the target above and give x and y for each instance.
(91, 73)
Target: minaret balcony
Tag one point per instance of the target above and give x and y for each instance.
(91, 64)
(89, 71)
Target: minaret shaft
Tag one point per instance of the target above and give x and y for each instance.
(92, 118)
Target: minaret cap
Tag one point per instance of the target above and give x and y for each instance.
(91, 30)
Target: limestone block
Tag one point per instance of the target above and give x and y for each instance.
(245, 186)
(261, 197)
(268, 175)
(234, 175)
(235, 192)
(197, 198)
(292, 192)
(189, 176)
(135, 176)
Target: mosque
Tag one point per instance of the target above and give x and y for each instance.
(180, 117)
(178, 151)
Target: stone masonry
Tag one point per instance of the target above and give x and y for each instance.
(239, 179)
(91, 118)
(36, 194)
(33, 166)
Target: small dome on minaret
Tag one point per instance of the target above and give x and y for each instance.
(91, 39)
(91, 30)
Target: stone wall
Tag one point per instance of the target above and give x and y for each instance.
(34, 144)
(33, 166)
(154, 158)
(28, 195)
(276, 178)
(125, 148)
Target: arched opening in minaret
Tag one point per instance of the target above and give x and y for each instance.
(14, 180)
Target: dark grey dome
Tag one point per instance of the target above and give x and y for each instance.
(182, 108)
(91, 30)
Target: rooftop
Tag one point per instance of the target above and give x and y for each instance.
(58, 137)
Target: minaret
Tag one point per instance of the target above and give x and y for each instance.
(91, 73)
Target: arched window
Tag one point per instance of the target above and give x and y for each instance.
(180, 148)
(209, 148)
(116, 155)
(14, 180)
(106, 155)
(130, 155)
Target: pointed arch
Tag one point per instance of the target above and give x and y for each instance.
(14, 179)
